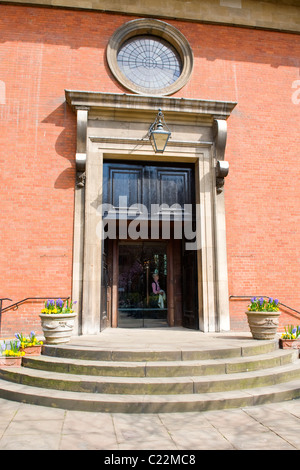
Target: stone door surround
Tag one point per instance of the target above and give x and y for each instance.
(115, 126)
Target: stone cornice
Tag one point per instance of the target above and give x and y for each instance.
(127, 102)
(279, 15)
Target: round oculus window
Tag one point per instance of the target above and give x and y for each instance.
(149, 62)
(150, 57)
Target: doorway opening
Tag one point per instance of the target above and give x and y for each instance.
(151, 275)
(142, 289)
(134, 300)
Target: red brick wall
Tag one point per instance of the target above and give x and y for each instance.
(23, 319)
(45, 51)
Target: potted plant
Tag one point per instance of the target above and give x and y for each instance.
(290, 339)
(263, 317)
(31, 345)
(58, 319)
(11, 356)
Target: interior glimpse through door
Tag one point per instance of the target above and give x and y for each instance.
(142, 288)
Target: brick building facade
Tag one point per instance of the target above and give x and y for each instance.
(236, 59)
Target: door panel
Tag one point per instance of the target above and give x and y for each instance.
(122, 181)
(173, 187)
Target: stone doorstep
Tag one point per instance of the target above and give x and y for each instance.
(146, 403)
(143, 354)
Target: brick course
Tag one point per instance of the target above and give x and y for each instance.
(45, 51)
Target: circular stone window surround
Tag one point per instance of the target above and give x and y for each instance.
(159, 29)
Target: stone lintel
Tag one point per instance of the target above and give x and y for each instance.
(127, 102)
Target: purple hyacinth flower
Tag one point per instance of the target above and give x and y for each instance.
(276, 301)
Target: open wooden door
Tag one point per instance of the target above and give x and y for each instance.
(189, 288)
(104, 287)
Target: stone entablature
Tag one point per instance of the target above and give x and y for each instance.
(279, 15)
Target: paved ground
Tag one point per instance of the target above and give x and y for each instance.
(268, 427)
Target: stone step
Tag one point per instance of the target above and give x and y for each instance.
(151, 385)
(172, 378)
(161, 368)
(141, 355)
(115, 403)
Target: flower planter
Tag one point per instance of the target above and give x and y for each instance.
(289, 343)
(32, 350)
(10, 361)
(263, 325)
(57, 327)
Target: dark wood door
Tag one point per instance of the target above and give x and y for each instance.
(104, 288)
(189, 288)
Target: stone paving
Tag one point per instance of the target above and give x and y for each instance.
(268, 427)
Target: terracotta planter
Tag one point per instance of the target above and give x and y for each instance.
(263, 325)
(10, 361)
(289, 343)
(58, 327)
(32, 350)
